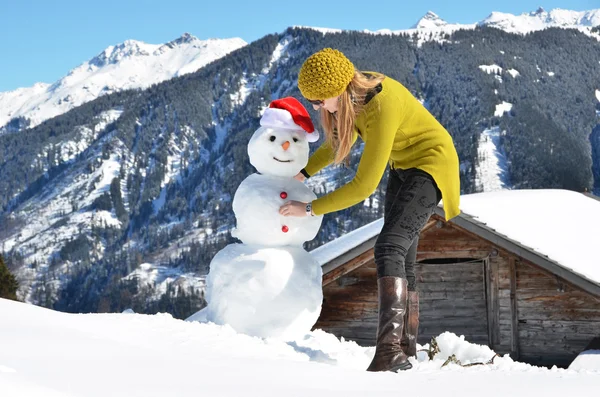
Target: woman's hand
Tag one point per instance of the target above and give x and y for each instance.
(293, 208)
(300, 176)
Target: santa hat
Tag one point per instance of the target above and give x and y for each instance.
(288, 113)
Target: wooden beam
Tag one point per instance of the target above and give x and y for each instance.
(433, 220)
(347, 267)
(491, 288)
(514, 309)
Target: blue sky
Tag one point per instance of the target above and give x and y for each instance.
(40, 41)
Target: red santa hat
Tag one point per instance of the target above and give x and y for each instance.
(288, 113)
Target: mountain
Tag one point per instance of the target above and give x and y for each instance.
(430, 21)
(129, 65)
(541, 19)
(124, 200)
(433, 28)
(135, 64)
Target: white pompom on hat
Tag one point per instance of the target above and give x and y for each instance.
(288, 113)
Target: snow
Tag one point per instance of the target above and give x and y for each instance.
(502, 108)
(587, 360)
(430, 27)
(319, 29)
(491, 69)
(157, 278)
(430, 21)
(271, 292)
(132, 64)
(513, 72)
(269, 155)
(541, 19)
(492, 169)
(178, 144)
(548, 221)
(433, 28)
(256, 206)
(51, 354)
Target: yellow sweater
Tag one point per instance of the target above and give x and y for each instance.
(399, 131)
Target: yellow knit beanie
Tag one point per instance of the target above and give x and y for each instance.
(325, 74)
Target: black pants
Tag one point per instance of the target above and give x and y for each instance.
(410, 199)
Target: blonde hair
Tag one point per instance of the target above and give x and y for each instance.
(339, 128)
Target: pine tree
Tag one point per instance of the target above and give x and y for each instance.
(8, 282)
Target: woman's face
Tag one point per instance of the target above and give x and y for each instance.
(329, 104)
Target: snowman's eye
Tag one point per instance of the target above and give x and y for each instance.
(295, 139)
(272, 138)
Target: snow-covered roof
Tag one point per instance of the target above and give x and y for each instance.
(334, 249)
(558, 224)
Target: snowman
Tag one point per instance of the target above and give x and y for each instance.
(269, 286)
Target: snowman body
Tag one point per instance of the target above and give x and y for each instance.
(269, 292)
(260, 196)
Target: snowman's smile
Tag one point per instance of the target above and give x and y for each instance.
(282, 161)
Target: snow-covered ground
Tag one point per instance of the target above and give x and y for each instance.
(52, 354)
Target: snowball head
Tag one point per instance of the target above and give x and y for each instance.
(256, 206)
(264, 292)
(279, 152)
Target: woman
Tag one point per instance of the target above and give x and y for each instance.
(400, 133)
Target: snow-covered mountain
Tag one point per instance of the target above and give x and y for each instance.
(132, 64)
(135, 64)
(432, 27)
(542, 19)
(430, 21)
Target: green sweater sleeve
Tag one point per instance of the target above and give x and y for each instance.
(383, 120)
(323, 157)
(320, 159)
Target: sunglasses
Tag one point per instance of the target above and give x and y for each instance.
(316, 102)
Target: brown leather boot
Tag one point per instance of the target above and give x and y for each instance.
(411, 325)
(389, 356)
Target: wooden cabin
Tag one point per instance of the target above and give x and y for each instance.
(476, 281)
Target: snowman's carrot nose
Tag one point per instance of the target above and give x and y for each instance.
(286, 145)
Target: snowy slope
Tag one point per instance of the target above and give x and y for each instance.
(51, 354)
(491, 172)
(65, 209)
(132, 64)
